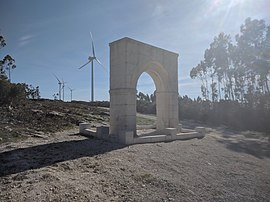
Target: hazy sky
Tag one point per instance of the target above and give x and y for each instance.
(52, 37)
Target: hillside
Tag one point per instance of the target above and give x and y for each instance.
(45, 117)
(37, 163)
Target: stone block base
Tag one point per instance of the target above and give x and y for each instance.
(128, 138)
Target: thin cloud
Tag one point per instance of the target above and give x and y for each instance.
(24, 40)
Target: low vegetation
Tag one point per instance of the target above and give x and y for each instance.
(13, 94)
(41, 118)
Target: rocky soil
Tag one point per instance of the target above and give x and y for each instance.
(226, 165)
(45, 117)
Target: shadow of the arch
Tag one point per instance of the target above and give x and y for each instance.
(23, 159)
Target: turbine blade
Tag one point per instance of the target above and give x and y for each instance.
(100, 63)
(93, 47)
(85, 64)
(57, 78)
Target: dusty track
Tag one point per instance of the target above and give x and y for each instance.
(223, 166)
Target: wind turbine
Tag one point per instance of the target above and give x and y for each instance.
(60, 86)
(63, 87)
(91, 59)
(71, 93)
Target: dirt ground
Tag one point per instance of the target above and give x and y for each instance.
(224, 166)
(43, 117)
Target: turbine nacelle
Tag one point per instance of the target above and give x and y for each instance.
(90, 58)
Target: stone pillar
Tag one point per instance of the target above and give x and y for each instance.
(167, 110)
(122, 110)
(173, 106)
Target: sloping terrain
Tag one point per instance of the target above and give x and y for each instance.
(46, 117)
(226, 165)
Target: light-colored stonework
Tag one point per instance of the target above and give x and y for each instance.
(128, 60)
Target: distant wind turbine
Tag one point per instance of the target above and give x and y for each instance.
(60, 86)
(91, 59)
(71, 93)
(63, 88)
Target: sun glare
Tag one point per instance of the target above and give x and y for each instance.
(217, 4)
(223, 9)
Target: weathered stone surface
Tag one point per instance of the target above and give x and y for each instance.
(84, 126)
(128, 60)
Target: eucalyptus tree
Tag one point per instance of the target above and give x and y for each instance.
(217, 66)
(2, 42)
(263, 62)
(220, 48)
(200, 71)
(209, 64)
(237, 71)
(7, 63)
(251, 50)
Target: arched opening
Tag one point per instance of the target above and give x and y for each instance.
(145, 104)
(155, 115)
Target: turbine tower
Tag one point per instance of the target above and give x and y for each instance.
(91, 59)
(71, 93)
(63, 88)
(60, 86)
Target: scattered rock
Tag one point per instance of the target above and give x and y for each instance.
(104, 114)
(10, 108)
(39, 134)
(37, 111)
(8, 128)
(55, 113)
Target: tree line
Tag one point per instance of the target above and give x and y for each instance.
(145, 103)
(228, 113)
(234, 77)
(12, 93)
(237, 71)
(234, 80)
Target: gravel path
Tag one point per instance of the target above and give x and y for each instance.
(223, 166)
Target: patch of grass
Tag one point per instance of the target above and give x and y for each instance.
(10, 137)
(144, 121)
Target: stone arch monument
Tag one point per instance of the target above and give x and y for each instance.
(128, 60)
